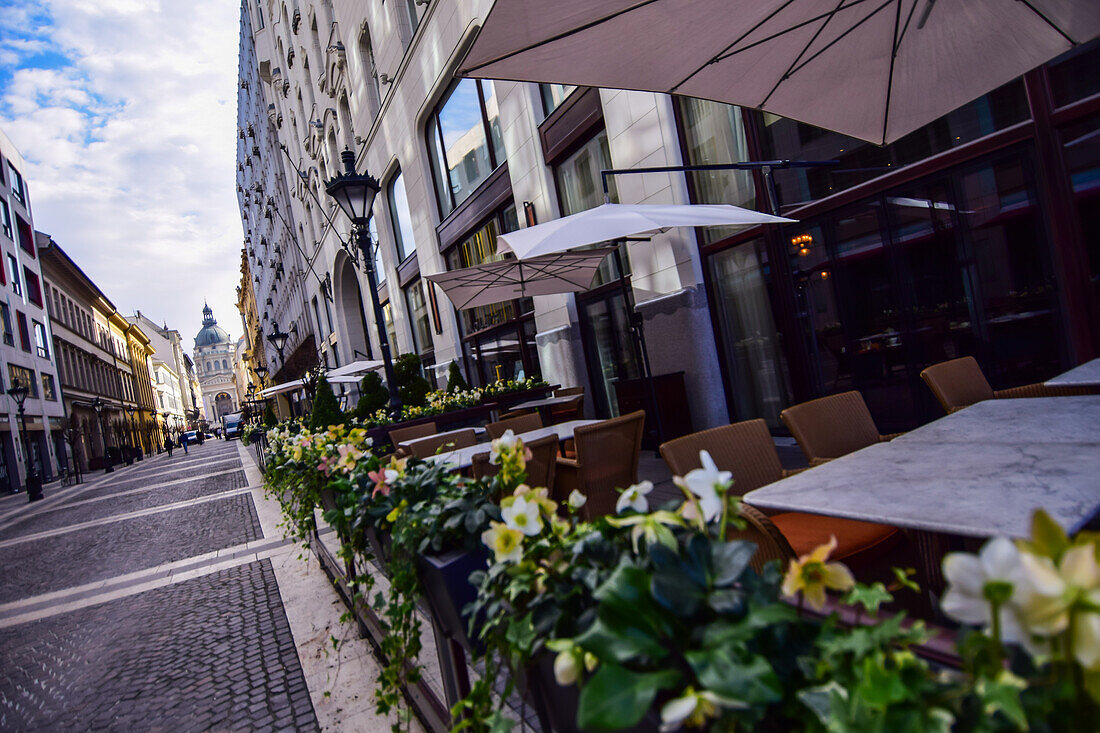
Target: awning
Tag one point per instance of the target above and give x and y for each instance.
(284, 387)
(354, 369)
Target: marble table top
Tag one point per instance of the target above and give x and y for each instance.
(979, 474)
(480, 431)
(546, 402)
(1016, 421)
(1085, 375)
(464, 457)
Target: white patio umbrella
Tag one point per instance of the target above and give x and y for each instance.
(872, 69)
(615, 221)
(496, 282)
(354, 369)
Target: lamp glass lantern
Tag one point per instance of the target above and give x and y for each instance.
(353, 192)
(18, 392)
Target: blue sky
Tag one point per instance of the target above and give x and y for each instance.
(126, 113)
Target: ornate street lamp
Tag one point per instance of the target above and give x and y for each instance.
(130, 409)
(261, 372)
(355, 193)
(97, 405)
(278, 339)
(34, 480)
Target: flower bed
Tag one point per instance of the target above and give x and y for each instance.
(655, 618)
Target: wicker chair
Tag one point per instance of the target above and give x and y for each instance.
(769, 540)
(960, 383)
(606, 460)
(833, 426)
(540, 467)
(518, 424)
(412, 432)
(567, 391)
(747, 451)
(573, 410)
(437, 443)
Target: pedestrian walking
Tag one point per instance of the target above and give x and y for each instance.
(183, 442)
(168, 446)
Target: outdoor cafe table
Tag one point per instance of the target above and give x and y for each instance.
(976, 473)
(1085, 375)
(543, 406)
(412, 441)
(464, 457)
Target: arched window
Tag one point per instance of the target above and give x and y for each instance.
(400, 216)
(372, 91)
(343, 116)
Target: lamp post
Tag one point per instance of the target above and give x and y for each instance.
(167, 437)
(261, 373)
(34, 481)
(355, 194)
(278, 339)
(97, 405)
(130, 409)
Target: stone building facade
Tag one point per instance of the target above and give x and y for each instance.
(864, 292)
(215, 366)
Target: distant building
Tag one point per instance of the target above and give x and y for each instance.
(168, 345)
(215, 357)
(100, 355)
(26, 344)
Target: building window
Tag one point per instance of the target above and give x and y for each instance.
(16, 283)
(34, 289)
(26, 236)
(5, 220)
(5, 317)
(580, 188)
(861, 161)
(25, 377)
(40, 341)
(553, 95)
(24, 332)
(17, 188)
(417, 308)
(49, 391)
(391, 328)
(714, 134)
(1073, 74)
(465, 141)
(479, 248)
(401, 217)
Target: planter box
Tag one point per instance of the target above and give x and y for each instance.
(328, 497)
(447, 590)
(381, 544)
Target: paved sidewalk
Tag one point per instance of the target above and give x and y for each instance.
(164, 596)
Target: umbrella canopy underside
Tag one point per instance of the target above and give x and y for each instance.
(872, 69)
(496, 282)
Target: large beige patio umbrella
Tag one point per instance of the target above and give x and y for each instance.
(616, 221)
(872, 69)
(496, 282)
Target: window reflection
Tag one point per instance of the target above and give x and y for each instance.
(465, 140)
(401, 217)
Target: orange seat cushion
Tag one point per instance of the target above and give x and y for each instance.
(856, 541)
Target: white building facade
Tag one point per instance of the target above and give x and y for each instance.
(459, 162)
(26, 347)
(215, 365)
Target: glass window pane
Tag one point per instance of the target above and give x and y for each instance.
(439, 165)
(861, 161)
(391, 329)
(418, 315)
(580, 187)
(401, 217)
(1081, 143)
(492, 116)
(464, 140)
(714, 134)
(1073, 74)
(553, 95)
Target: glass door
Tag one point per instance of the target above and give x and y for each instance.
(609, 350)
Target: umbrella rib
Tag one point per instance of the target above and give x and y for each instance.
(890, 77)
(563, 34)
(841, 37)
(1048, 21)
(787, 73)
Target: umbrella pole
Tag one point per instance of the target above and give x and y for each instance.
(641, 349)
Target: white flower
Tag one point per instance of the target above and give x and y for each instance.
(675, 712)
(503, 443)
(522, 515)
(576, 500)
(634, 498)
(1074, 583)
(566, 668)
(972, 579)
(707, 483)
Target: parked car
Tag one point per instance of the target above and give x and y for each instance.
(192, 437)
(232, 425)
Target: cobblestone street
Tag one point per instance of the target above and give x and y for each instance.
(164, 597)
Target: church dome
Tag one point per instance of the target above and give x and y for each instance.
(211, 333)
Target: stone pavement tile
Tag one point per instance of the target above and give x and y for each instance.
(76, 558)
(159, 477)
(64, 515)
(162, 660)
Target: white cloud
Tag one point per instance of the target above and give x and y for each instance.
(131, 147)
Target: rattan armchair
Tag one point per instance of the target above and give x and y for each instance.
(567, 391)
(769, 540)
(441, 443)
(833, 426)
(746, 450)
(960, 383)
(606, 459)
(412, 432)
(518, 424)
(540, 466)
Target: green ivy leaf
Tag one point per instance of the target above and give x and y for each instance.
(822, 701)
(1047, 536)
(725, 671)
(729, 560)
(616, 698)
(676, 592)
(880, 686)
(1002, 694)
(869, 596)
(620, 643)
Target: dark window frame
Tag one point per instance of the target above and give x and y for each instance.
(433, 123)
